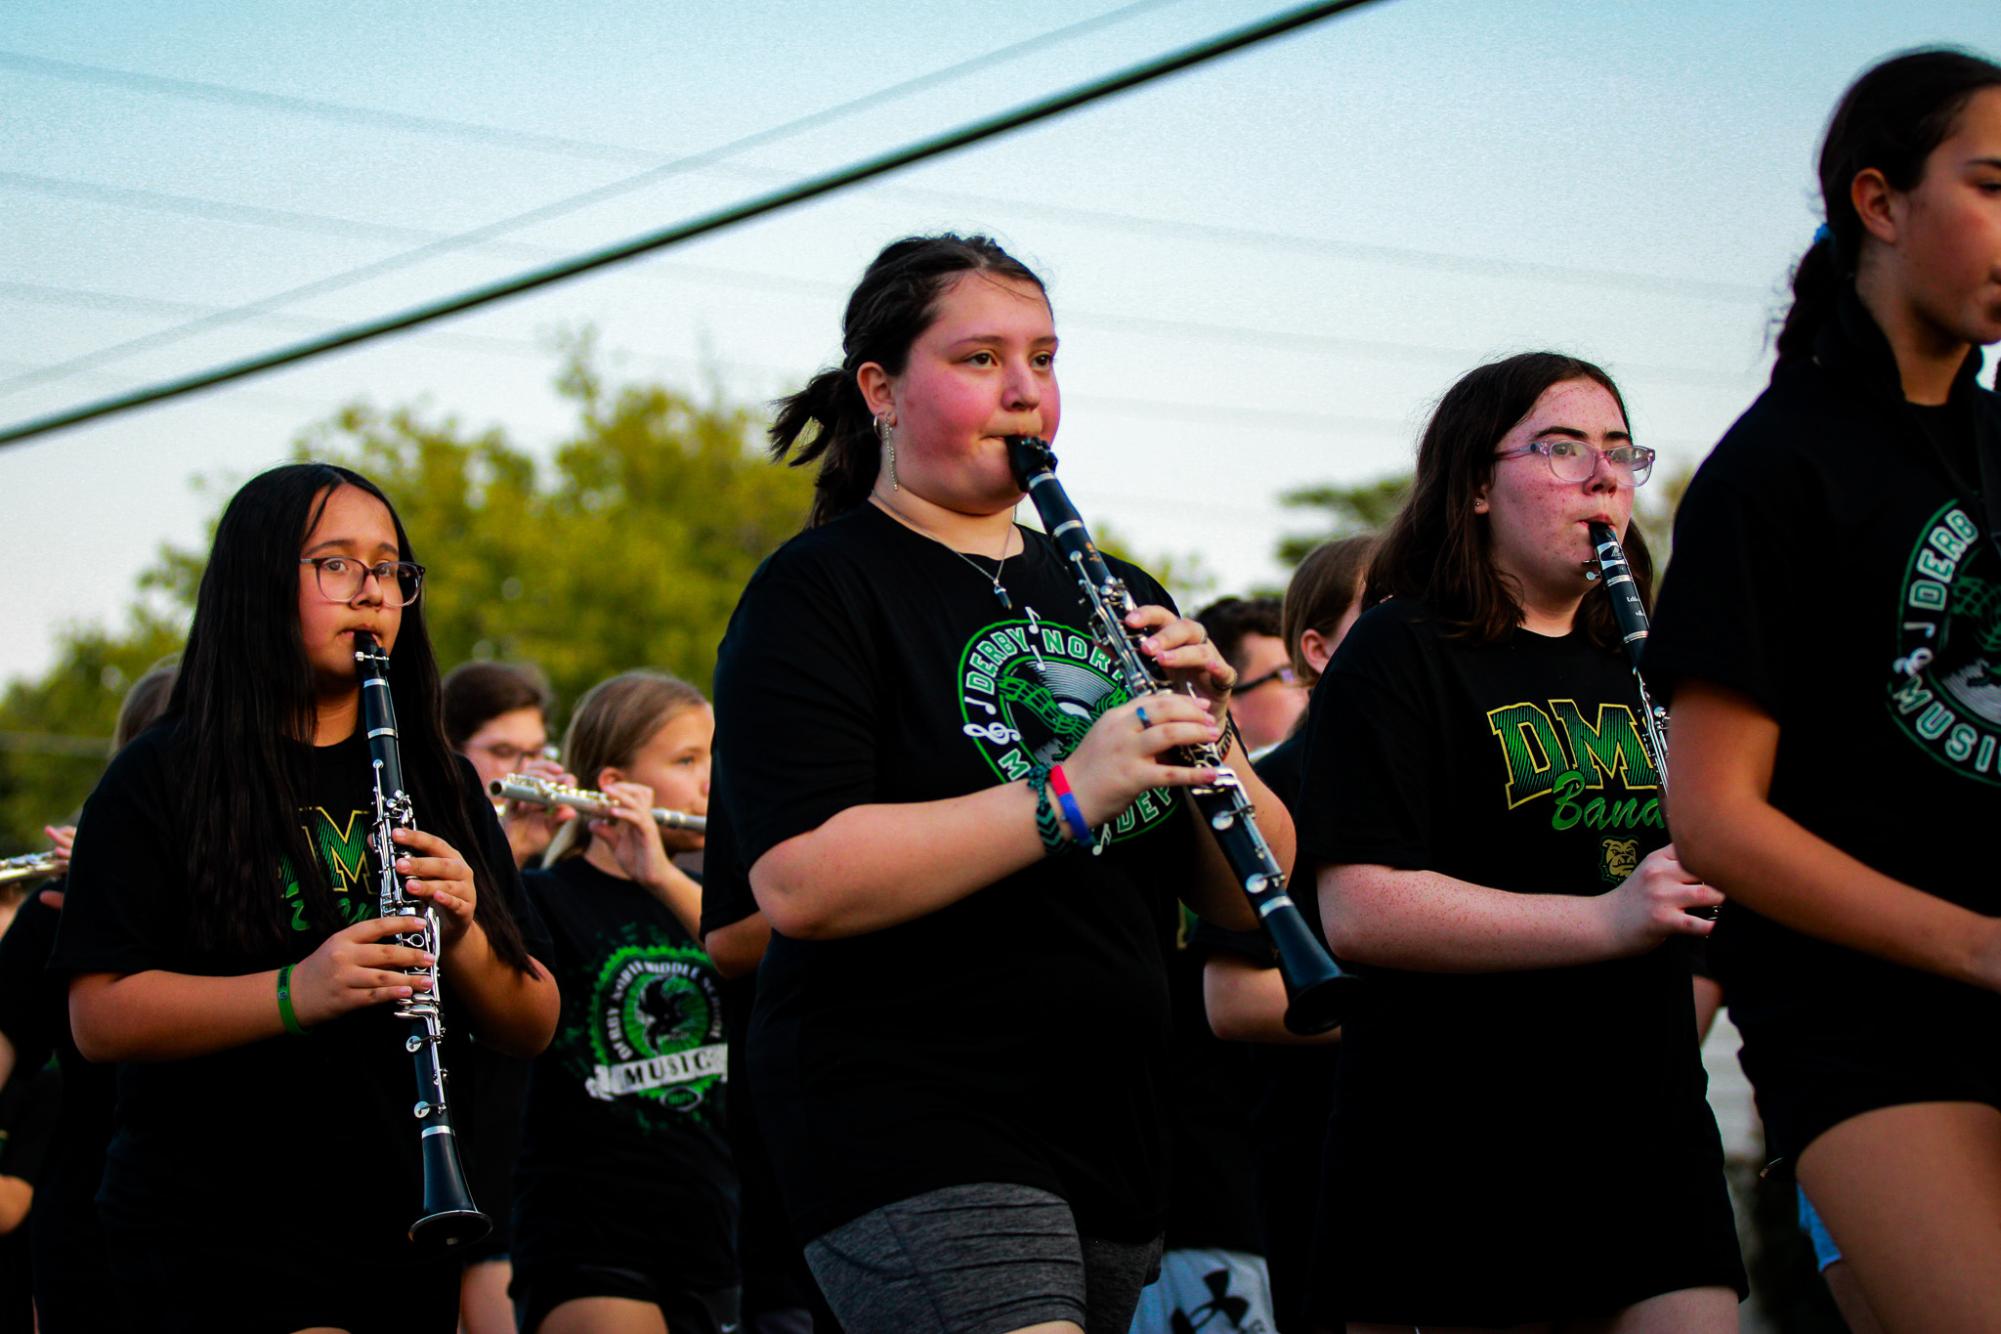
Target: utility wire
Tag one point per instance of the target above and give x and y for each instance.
(1186, 330)
(810, 188)
(571, 204)
(473, 132)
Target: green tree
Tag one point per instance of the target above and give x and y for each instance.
(55, 732)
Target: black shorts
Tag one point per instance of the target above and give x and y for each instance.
(541, 1287)
(978, 1259)
(1815, 1066)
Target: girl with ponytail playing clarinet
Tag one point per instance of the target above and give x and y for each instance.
(221, 937)
(1520, 1138)
(962, 1016)
(1830, 638)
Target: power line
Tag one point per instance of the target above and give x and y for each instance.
(1191, 330)
(571, 204)
(810, 188)
(495, 135)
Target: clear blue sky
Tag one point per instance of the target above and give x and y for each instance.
(1264, 271)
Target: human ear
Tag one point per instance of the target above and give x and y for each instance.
(1313, 647)
(1875, 204)
(878, 391)
(1480, 505)
(608, 775)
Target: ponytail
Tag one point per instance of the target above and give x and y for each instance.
(1817, 285)
(1889, 120)
(843, 440)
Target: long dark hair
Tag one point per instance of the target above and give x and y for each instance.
(1890, 119)
(1437, 549)
(895, 302)
(244, 701)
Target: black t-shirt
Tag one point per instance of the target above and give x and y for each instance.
(315, 1115)
(624, 1159)
(1518, 766)
(1829, 566)
(30, 1106)
(1019, 1034)
(34, 1014)
(1291, 1086)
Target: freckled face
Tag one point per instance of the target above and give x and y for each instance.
(1949, 229)
(356, 525)
(1536, 523)
(674, 762)
(985, 369)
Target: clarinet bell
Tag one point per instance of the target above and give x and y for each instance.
(450, 1218)
(1318, 994)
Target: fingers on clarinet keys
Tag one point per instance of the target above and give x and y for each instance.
(358, 966)
(1659, 900)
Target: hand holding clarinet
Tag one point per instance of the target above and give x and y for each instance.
(1668, 895)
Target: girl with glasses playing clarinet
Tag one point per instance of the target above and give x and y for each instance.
(1830, 637)
(221, 938)
(1521, 1138)
(961, 1019)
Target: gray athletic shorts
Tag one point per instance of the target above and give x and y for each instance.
(979, 1259)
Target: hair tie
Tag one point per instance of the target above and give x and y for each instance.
(1821, 233)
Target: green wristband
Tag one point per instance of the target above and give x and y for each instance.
(285, 1010)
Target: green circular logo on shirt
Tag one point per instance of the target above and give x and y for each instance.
(656, 1027)
(1029, 690)
(1945, 691)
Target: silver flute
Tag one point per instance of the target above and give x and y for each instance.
(541, 792)
(29, 866)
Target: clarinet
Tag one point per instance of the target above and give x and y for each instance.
(449, 1217)
(1317, 991)
(1611, 567)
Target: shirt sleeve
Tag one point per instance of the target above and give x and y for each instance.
(1722, 617)
(1372, 753)
(499, 854)
(726, 895)
(126, 877)
(24, 961)
(797, 702)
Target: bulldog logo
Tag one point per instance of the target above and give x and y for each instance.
(1618, 858)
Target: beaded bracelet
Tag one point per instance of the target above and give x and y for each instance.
(285, 1010)
(1073, 814)
(1047, 827)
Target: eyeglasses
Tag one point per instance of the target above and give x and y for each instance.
(506, 752)
(1281, 674)
(341, 578)
(1575, 461)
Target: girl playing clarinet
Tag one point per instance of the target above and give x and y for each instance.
(221, 935)
(1520, 1136)
(962, 1017)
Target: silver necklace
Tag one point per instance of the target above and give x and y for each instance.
(1000, 593)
